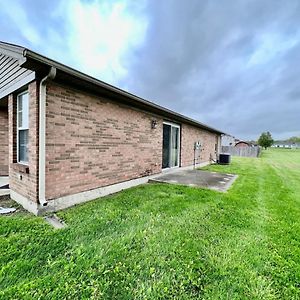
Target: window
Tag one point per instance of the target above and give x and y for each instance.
(22, 127)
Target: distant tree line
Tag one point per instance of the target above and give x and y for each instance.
(265, 140)
(293, 139)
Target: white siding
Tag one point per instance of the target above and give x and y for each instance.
(12, 76)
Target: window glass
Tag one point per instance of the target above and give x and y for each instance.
(23, 111)
(20, 111)
(23, 145)
(23, 125)
(171, 146)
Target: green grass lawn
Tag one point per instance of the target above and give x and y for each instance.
(166, 241)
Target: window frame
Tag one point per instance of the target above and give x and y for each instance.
(21, 128)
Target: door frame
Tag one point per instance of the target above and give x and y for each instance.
(178, 143)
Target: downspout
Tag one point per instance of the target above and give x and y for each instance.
(42, 136)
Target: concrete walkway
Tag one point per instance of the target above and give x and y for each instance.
(3, 182)
(197, 178)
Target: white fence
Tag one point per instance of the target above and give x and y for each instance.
(242, 151)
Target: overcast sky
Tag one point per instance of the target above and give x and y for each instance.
(234, 65)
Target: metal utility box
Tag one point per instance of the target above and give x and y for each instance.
(224, 158)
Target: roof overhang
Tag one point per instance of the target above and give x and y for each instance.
(13, 75)
(41, 65)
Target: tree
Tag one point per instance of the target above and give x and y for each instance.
(265, 140)
(294, 139)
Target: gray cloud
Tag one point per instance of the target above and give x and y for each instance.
(234, 65)
(199, 59)
(39, 14)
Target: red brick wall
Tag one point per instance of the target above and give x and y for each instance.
(19, 181)
(190, 135)
(3, 141)
(93, 142)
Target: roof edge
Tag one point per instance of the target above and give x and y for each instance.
(27, 53)
(12, 50)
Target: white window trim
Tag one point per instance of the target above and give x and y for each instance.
(172, 124)
(178, 145)
(26, 163)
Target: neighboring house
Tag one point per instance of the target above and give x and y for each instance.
(227, 140)
(295, 145)
(288, 145)
(242, 144)
(67, 137)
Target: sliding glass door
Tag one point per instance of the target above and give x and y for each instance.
(171, 145)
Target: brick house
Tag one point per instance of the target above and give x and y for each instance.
(67, 138)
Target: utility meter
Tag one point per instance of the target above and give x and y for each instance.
(197, 145)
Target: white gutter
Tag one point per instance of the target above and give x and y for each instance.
(42, 136)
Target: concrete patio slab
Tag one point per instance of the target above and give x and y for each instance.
(197, 178)
(4, 181)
